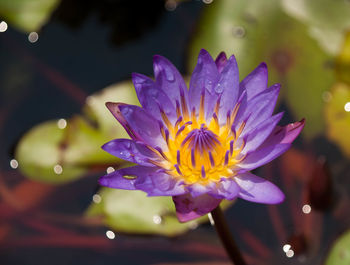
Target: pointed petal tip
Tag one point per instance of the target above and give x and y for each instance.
(203, 51)
(276, 86)
(157, 58)
(111, 106)
(114, 107)
(221, 56)
(104, 181)
(262, 66)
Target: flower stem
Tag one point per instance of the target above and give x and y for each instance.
(225, 236)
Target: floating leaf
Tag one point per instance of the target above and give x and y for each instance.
(27, 15)
(257, 31)
(327, 20)
(338, 117)
(342, 65)
(96, 109)
(340, 252)
(39, 152)
(58, 155)
(133, 212)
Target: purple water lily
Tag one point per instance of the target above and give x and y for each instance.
(199, 145)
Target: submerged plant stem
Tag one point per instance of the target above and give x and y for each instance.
(225, 236)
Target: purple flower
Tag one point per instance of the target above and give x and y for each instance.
(199, 145)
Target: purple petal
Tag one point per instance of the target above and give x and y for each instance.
(276, 144)
(286, 134)
(258, 108)
(255, 82)
(160, 184)
(256, 189)
(203, 80)
(198, 189)
(259, 134)
(129, 150)
(221, 61)
(228, 88)
(189, 208)
(263, 155)
(226, 189)
(169, 79)
(152, 98)
(138, 123)
(125, 178)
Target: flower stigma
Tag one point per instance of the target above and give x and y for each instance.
(200, 150)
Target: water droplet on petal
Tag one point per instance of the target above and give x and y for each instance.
(169, 75)
(125, 154)
(153, 93)
(126, 111)
(208, 85)
(218, 88)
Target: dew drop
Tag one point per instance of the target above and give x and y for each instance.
(218, 88)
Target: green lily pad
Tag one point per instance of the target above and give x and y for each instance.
(340, 252)
(342, 65)
(257, 31)
(96, 110)
(40, 154)
(27, 15)
(327, 20)
(337, 118)
(134, 213)
(58, 155)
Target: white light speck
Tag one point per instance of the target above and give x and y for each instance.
(110, 234)
(62, 123)
(58, 169)
(286, 247)
(170, 5)
(290, 253)
(33, 37)
(157, 219)
(306, 209)
(110, 170)
(193, 225)
(326, 96)
(347, 107)
(211, 219)
(96, 198)
(3, 26)
(90, 100)
(14, 163)
(207, 1)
